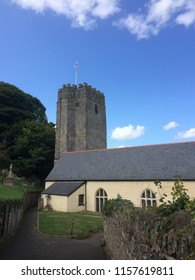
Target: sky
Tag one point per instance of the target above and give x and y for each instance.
(140, 54)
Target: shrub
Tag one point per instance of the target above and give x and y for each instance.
(180, 199)
(112, 205)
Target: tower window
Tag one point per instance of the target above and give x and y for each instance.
(77, 104)
(96, 108)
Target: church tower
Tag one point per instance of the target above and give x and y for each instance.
(81, 119)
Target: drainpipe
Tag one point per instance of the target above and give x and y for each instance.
(85, 196)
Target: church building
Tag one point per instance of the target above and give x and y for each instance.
(86, 174)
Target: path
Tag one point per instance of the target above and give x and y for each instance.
(29, 244)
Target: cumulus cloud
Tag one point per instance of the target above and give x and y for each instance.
(187, 134)
(127, 132)
(82, 13)
(151, 18)
(170, 125)
(158, 15)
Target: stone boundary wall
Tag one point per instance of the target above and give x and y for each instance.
(141, 235)
(10, 218)
(11, 215)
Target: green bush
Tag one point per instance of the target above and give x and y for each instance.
(180, 199)
(112, 205)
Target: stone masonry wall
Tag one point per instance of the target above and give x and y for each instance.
(10, 218)
(141, 235)
(80, 120)
(12, 215)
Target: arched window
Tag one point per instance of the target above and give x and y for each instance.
(148, 198)
(101, 197)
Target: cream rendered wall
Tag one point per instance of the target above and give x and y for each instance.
(44, 198)
(48, 184)
(64, 203)
(128, 190)
(73, 200)
(132, 190)
(57, 202)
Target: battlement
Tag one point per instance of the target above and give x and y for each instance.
(80, 89)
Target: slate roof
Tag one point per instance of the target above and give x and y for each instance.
(63, 188)
(140, 163)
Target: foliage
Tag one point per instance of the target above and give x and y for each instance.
(26, 138)
(4, 158)
(168, 209)
(180, 199)
(190, 207)
(78, 225)
(33, 151)
(27, 186)
(2, 178)
(112, 205)
(15, 105)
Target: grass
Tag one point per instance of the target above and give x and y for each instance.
(10, 193)
(29, 187)
(78, 225)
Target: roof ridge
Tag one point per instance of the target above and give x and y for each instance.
(129, 147)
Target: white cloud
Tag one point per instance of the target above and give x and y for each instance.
(82, 13)
(158, 15)
(127, 132)
(187, 134)
(188, 17)
(170, 125)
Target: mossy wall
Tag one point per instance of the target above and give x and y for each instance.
(136, 234)
(11, 214)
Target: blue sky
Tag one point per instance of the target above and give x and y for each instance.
(140, 54)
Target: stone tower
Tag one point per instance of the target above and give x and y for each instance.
(81, 119)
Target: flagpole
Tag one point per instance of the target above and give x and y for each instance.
(76, 72)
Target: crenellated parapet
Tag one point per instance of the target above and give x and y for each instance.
(81, 88)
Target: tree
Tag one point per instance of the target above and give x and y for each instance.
(15, 107)
(26, 137)
(33, 151)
